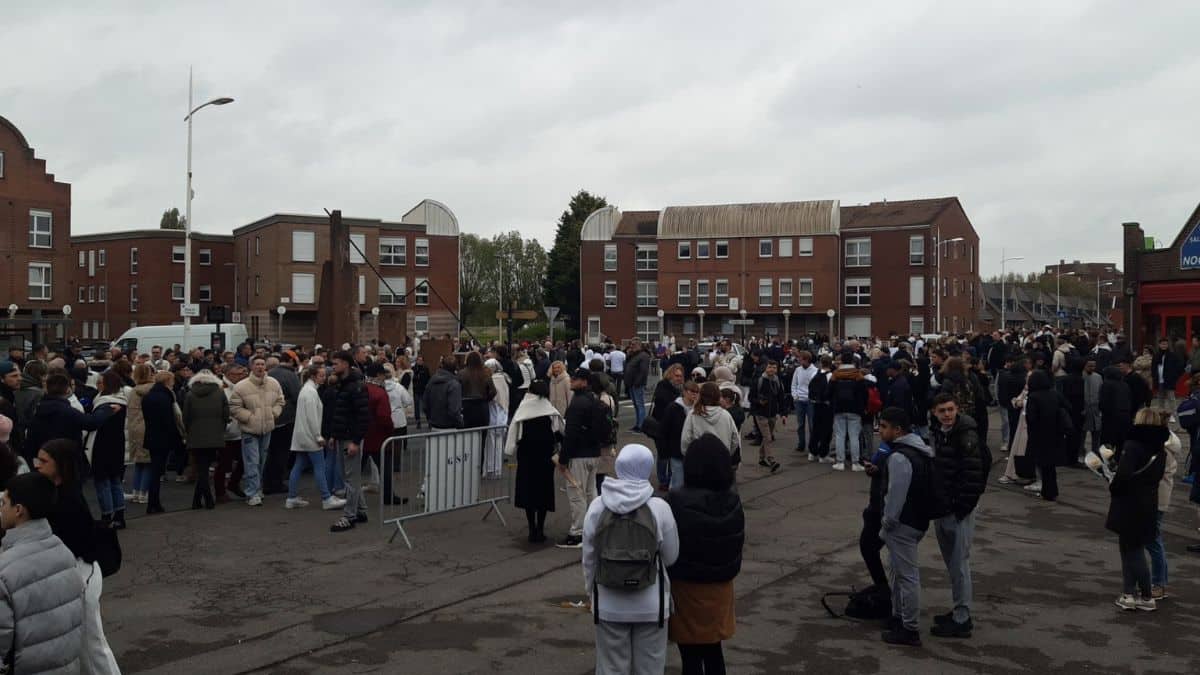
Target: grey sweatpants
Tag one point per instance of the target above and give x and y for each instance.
(954, 539)
(352, 477)
(905, 573)
(630, 648)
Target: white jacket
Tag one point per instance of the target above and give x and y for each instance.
(306, 436)
(623, 496)
(400, 399)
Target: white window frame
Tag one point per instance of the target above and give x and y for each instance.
(257, 245)
(785, 298)
(785, 248)
(204, 257)
(362, 289)
(421, 323)
(133, 298)
(177, 297)
(683, 293)
(396, 253)
(610, 294)
(1, 164)
(721, 292)
(81, 296)
(593, 320)
(858, 258)
(396, 296)
(647, 294)
(703, 289)
(721, 244)
(804, 298)
(102, 293)
(610, 257)
(646, 258)
(45, 283)
(916, 290)
(179, 254)
(769, 296)
(421, 292)
(683, 250)
(304, 288)
(133, 260)
(915, 242)
(945, 290)
(360, 240)
(102, 258)
(421, 259)
(767, 245)
(91, 294)
(304, 241)
(204, 293)
(703, 250)
(648, 329)
(82, 258)
(916, 325)
(804, 247)
(36, 216)
(857, 283)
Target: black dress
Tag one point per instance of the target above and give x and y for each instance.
(535, 469)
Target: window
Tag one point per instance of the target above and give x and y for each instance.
(804, 246)
(785, 248)
(91, 263)
(91, 297)
(362, 289)
(133, 298)
(303, 288)
(133, 260)
(102, 294)
(39, 281)
(971, 257)
(648, 329)
(722, 292)
(764, 247)
(421, 254)
(392, 290)
(684, 294)
(684, 250)
(858, 292)
(85, 330)
(421, 324)
(257, 284)
(804, 292)
(83, 258)
(916, 291)
(393, 251)
(82, 295)
(257, 245)
(1, 164)
(177, 292)
(593, 329)
(764, 292)
(610, 257)
(702, 249)
(702, 288)
(858, 252)
(610, 294)
(722, 249)
(421, 292)
(916, 250)
(304, 246)
(178, 254)
(944, 293)
(205, 257)
(647, 294)
(40, 228)
(101, 258)
(205, 293)
(785, 292)
(358, 246)
(916, 325)
(647, 258)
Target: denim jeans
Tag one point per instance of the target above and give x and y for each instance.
(675, 468)
(847, 424)
(1158, 554)
(317, 461)
(638, 396)
(663, 470)
(141, 477)
(804, 413)
(254, 458)
(109, 495)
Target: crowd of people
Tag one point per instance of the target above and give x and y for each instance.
(912, 416)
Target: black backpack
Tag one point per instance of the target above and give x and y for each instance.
(870, 604)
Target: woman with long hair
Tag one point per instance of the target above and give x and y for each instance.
(308, 441)
(478, 390)
(135, 433)
(164, 433)
(560, 387)
(710, 417)
(107, 445)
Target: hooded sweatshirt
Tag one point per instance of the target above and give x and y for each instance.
(716, 421)
(899, 492)
(624, 494)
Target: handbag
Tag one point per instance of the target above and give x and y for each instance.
(108, 548)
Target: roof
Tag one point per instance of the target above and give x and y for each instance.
(15, 131)
(146, 234)
(894, 214)
(638, 224)
(601, 224)
(437, 218)
(305, 219)
(750, 220)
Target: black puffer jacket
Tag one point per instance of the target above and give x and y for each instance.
(351, 413)
(959, 461)
(162, 433)
(1116, 405)
(1042, 418)
(1134, 488)
(712, 531)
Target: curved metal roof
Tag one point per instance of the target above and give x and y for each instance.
(601, 224)
(751, 220)
(437, 218)
(16, 132)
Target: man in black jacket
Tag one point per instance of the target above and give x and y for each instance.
(1167, 368)
(443, 397)
(1009, 384)
(420, 380)
(580, 453)
(637, 370)
(1140, 395)
(348, 428)
(962, 475)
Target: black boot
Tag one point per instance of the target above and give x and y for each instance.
(118, 519)
(106, 519)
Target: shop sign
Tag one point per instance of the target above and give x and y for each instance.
(1189, 253)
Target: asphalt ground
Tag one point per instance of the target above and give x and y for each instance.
(268, 590)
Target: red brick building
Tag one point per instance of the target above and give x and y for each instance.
(35, 224)
(1104, 279)
(1162, 286)
(781, 266)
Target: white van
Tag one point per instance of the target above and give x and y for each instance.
(142, 338)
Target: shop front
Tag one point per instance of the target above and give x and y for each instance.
(1164, 286)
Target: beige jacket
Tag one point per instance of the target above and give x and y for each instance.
(256, 403)
(135, 425)
(1175, 455)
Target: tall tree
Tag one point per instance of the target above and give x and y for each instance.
(171, 220)
(505, 263)
(561, 285)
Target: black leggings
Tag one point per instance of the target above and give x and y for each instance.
(870, 545)
(702, 659)
(536, 518)
(202, 494)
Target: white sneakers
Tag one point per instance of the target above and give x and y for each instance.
(1035, 486)
(828, 459)
(256, 500)
(839, 467)
(137, 497)
(333, 503)
(295, 503)
(812, 457)
(1129, 603)
(857, 467)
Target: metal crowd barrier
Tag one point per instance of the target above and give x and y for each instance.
(442, 471)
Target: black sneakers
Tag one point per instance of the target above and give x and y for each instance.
(944, 625)
(902, 636)
(571, 542)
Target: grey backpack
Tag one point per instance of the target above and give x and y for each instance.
(627, 552)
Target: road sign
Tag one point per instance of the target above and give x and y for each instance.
(1062, 313)
(519, 315)
(237, 317)
(733, 304)
(191, 310)
(551, 312)
(742, 322)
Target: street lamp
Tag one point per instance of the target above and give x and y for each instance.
(700, 313)
(187, 223)
(1058, 294)
(938, 280)
(1003, 297)
(743, 313)
(282, 310)
(662, 328)
(375, 314)
(1099, 285)
(787, 316)
(830, 313)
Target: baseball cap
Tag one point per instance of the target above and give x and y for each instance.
(7, 367)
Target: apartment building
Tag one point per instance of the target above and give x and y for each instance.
(779, 269)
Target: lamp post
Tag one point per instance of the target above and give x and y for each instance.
(281, 310)
(375, 317)
(787, 318)
(12, 312)
(830, 313)
(187, 223)
(1058, 294)
(743, 313)
(66, 310)
(700, 313)
(662, 328)
(1003, 297)
(1099, 285)
(938, 281)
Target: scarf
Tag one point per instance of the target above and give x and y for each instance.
(531, 407)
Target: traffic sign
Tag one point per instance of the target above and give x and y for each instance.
(1062, 313)
(551, 312)
(189, 310)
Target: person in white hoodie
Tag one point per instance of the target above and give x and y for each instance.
(308, 442)
(708, 417)
(631, 633)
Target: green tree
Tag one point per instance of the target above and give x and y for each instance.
(505, 263)
(561, 285)
(171, 220)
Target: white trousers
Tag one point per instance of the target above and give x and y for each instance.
(96, 657)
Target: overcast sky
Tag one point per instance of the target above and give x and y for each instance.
(1053, 123)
